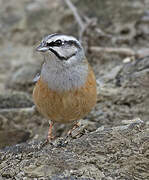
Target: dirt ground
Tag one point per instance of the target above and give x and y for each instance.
(116, 40)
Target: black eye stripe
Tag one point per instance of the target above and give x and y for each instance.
(54, 43)
(60, 43)
(72, 42)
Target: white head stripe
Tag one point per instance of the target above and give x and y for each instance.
(61, 37)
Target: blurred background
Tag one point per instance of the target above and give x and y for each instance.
(115, 35)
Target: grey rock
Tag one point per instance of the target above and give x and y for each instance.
(120, 153)
(15, 100)
(22, 78)
(10, 137)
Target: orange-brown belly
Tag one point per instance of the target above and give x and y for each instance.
(65, 107)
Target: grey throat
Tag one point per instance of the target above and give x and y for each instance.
(64, 77)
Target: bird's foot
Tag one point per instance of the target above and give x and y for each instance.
(50, 138)
(77, 131)
(70, 132)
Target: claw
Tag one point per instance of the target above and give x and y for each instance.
(74, 127)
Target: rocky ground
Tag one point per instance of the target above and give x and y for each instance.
(113, 142)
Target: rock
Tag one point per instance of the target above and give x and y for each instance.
(22, 78)
(123, 95)
(108, 153)
(18, 120)
(12, 137)
(106, 148)
(15, 100)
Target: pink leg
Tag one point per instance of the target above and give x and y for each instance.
(74, 127)
(50, 136)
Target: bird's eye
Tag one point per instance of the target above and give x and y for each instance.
(58, 42)
(48, 44)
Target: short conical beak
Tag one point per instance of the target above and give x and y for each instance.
(41, 48)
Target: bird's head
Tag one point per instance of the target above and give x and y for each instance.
(62, 48)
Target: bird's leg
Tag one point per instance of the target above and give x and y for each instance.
(50, 136)
(74, 127)
(69, 133)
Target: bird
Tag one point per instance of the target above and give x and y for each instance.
(65, 91)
